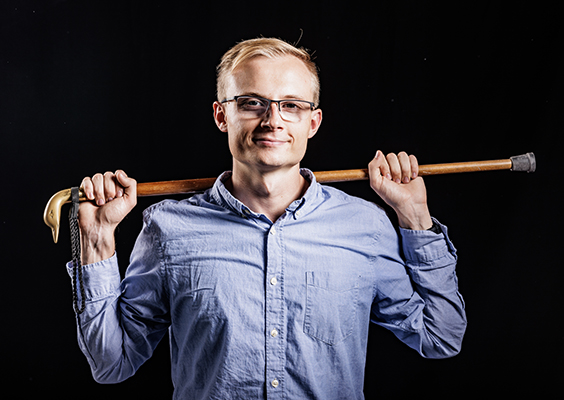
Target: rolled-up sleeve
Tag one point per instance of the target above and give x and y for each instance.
(123, 320)
(101, 279)
(428, 312)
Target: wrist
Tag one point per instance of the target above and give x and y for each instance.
(417, 219)
(97, 246)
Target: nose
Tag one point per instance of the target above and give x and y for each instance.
(272, 117)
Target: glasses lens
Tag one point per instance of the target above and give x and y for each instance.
(254, 105)
(294, 110)
(290, 110)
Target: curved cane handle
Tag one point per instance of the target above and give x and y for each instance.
(52, 213)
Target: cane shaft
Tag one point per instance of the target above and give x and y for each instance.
(473, 166)
(166, 188)
(524, 162)
(424, 170)
(195, 185)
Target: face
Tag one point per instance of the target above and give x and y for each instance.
(268, 142)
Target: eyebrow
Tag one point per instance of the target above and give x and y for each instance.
(286, 97)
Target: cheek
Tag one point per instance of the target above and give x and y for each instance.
(238, 136)
(302, 138)
(300, 145)
(234, 142)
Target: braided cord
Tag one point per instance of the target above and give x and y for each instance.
(77, 279)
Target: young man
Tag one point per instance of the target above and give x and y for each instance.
(267, 282)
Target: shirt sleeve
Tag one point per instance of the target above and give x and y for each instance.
(420, 302)
(123, 321)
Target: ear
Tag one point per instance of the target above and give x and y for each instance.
(219, 116)
(316, 118)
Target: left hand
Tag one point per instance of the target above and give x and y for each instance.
(394, 178)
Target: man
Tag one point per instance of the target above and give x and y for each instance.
(267, 282)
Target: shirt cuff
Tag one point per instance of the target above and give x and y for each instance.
(423, 247)
(101, 279)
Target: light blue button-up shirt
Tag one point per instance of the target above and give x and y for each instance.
(281, 310)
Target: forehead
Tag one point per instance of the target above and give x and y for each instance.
(274, 78)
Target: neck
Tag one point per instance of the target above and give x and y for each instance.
(268, 193)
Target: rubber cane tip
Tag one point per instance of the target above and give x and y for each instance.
(524, 163)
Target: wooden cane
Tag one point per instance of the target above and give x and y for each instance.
(523, 163)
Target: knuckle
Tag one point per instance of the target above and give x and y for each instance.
(97, 179)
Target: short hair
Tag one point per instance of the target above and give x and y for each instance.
(266, 47)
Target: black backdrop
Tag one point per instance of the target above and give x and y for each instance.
(90, 86)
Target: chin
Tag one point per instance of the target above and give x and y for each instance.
(270, 159)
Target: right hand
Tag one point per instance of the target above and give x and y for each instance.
(395, 179)
(113, 196)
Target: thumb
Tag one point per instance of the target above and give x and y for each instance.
(378, 170)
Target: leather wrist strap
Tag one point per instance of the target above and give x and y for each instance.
(77, 279)
(435, 228)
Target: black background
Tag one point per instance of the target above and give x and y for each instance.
(91, 86)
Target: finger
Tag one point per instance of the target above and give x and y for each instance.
(119, 185)
(379, 166)
(110, 186)
(87, 188)
(98, 189)
(395, 168)
(129, 186)
(414, 166)
(378, 169)
(405, 166)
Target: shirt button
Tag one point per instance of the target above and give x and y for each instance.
(273, 231)
(275, 383)
(273, 281)
(274, 333)
(298, 213)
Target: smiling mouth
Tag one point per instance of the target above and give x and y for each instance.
(268, 142)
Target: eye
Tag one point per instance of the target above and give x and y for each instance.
(251, 103)
(295, 105)
(290, 104)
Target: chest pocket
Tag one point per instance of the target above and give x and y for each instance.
(192, 278)
(331, 303)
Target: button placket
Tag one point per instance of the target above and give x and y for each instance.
(275, 310)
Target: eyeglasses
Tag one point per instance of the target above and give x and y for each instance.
(290, 110)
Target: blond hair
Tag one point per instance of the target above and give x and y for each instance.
(266, 47)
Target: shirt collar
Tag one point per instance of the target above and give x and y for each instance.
(297, 208)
